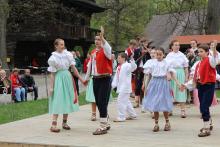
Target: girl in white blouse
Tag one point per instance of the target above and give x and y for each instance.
(180, 63)
(158, 97)
(62, 97)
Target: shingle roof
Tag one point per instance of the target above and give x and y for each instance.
(163, 28)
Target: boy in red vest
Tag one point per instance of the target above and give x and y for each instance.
(205, 78)
(132, 46)
(100, 67)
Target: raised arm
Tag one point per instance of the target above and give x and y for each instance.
(133, 66)
(107, 48)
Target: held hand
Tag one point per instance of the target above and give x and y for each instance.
(50, 91)
(75, 101)
(85, 83)
(182, 87)
(169, 77)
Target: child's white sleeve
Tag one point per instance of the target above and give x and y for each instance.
(190, 85)
(107, 50)
(217, 76)
(114, 82)
(213, 61)
(133, 66)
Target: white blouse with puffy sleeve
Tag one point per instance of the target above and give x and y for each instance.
(177, 60)
(60, 61)
(157, 68)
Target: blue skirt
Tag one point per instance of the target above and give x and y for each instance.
(158, 96)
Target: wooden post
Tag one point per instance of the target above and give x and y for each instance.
(3, 22)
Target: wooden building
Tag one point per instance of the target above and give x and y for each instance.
(32, 28)
(185, 40)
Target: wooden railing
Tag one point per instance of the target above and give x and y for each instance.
(64, 31)
(73, 32)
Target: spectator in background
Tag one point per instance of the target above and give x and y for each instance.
(34, 62)
(76, 56)
(141, 56)
(131, 47)
(192, 53)
(29, 84)
(86, 61)
(17, 90)
(4, 81)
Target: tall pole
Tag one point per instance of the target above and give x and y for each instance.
(3, 21)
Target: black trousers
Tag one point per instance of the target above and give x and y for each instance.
(77, 84)
(139, 81)
(102, 89)
(35, 90)
(206, 93)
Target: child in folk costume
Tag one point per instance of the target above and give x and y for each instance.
(122, 81)
(91, 98)
(62, 100)
(179, 61)
(100, 67)
(205, 78)
(195, 91)
(158, 96)
(147, 77)
(131, 47)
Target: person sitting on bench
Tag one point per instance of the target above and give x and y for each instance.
(29, 84)
(17, 90)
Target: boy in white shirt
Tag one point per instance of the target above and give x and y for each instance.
(122, 81)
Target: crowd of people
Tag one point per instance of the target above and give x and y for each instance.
(18, 85)
(156, 79)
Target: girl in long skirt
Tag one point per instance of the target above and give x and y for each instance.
(62, 97)
(147, 77)
(158, 94)
(178, 61)
(91, 98)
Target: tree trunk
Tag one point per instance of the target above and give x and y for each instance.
(213, 17)
(116, 25)
(3, 22)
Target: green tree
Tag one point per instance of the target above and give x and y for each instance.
(126, 19)
(123, 20)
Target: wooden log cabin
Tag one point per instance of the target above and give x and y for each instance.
(32, 28)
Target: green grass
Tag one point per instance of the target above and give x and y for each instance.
(13, 112)
(218, 94)
(18, 111)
